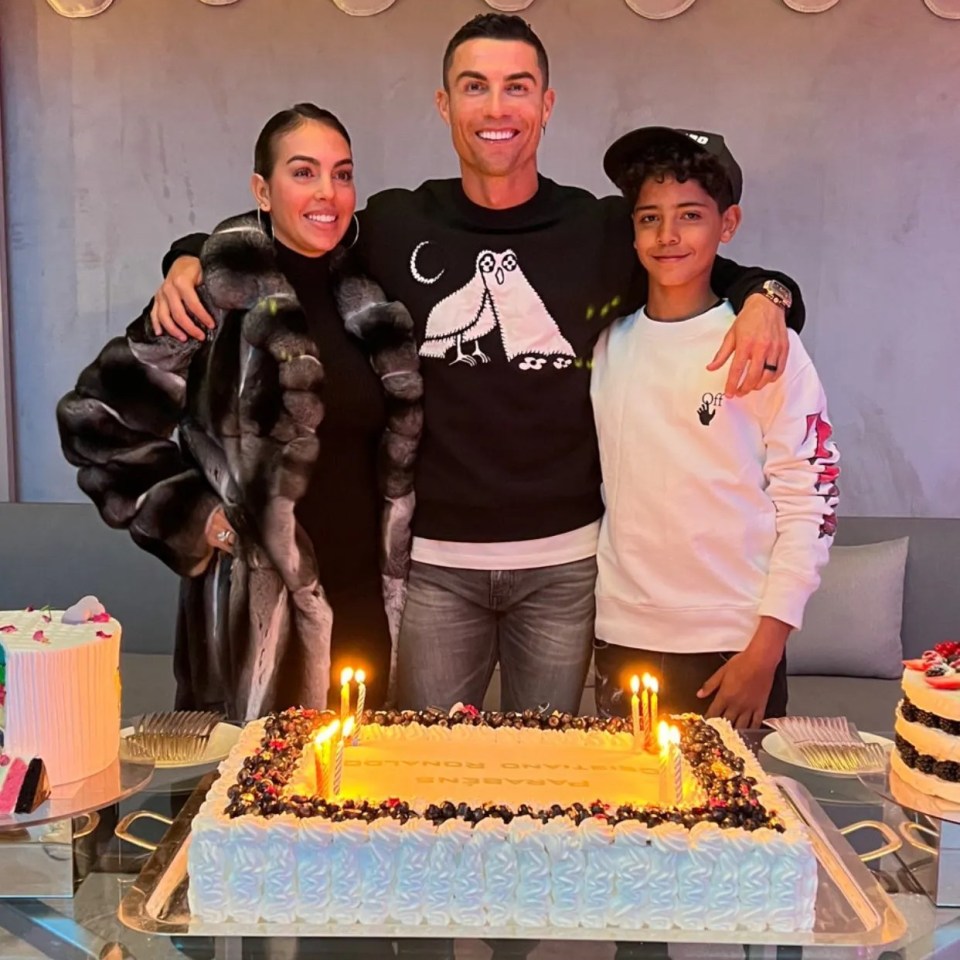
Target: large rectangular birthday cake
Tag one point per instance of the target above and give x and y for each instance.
(492, 820)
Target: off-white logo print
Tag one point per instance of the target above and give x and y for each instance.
(497, 296)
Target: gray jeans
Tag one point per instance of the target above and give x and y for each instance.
(458, 623)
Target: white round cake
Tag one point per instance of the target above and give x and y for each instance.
(927, 754)
(60, 688)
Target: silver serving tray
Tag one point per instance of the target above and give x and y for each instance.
(851, 910)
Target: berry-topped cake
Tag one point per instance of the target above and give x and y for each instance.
(60, 689)
(927, 754)
(497, 820)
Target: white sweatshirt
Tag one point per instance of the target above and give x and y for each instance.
(718, 511)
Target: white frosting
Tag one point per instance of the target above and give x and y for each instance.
(500, 871)
(561, 838)
(312, 854)
(529, 873)
(924, 782)
(279, 903)
(943, 746)
(413, 860)
(943, 703)
(532, 898)
(346, 877)
(62, 692)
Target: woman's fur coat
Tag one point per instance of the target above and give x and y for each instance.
(163, 432)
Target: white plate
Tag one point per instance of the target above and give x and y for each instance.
(224, 736)
(778, 747)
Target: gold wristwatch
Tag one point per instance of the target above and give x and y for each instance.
(777, 293)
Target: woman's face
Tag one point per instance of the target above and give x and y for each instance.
(310, 194)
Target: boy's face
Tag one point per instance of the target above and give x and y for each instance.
(677, 228)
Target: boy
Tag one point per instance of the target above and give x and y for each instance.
(719, 511)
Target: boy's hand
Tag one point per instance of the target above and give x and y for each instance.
(757, 340)
(741, 687)
(176, 304)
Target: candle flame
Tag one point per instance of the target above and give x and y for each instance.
(663, 734)
(326, 733)
(346, 675)
(635, 683)
(654, 685)
(646, 681)
(675, 736)
(360, 677)
(348, 728)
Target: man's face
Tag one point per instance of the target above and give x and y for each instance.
(496, 105)
(677, 228)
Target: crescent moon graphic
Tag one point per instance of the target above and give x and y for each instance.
(417, 275)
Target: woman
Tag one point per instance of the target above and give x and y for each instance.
(274, 507)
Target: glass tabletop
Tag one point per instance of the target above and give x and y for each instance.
(86, 925)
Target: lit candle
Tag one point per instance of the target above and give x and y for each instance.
(666, 774)
(321, 755)
(647, 729)
(635, 712)
(361, 679)
(346, 675)
(654, 708)
(675, 763)
(346, 732)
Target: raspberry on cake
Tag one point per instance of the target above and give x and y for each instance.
(488, 819)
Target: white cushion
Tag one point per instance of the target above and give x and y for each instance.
(851, 627)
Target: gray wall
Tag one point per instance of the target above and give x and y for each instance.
(130, 128)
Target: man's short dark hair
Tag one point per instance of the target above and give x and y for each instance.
(667, 160)
(496, 26)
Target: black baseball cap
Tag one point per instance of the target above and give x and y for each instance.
(631, 146)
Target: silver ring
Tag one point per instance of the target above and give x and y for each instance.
(225, 536)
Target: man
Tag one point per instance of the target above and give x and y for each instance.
(510, 279)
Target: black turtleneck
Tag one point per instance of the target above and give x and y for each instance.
(341, 508)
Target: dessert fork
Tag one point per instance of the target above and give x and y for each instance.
(172, 736)
(830, 743)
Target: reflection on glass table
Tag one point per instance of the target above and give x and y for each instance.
(87, 925)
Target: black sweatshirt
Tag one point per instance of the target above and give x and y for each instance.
(508, 305)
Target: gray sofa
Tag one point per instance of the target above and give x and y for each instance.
(53, 553)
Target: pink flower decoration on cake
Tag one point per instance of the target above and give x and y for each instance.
(40, 637)
(8, 628)
(47, 618)
(100, 617)
(103, 636)
(3, 697)
(29, 609)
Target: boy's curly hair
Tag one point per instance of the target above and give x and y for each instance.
(669, 160)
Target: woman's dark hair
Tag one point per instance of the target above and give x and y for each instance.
(265, 153)
(664, 161)
(496, 26)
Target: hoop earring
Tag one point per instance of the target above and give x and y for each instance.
(356, 236)
(265, 232)
(543, 129)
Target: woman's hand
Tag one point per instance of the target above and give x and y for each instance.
(741, 687)
(176, 305)
(758, 342)
(220, 535)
